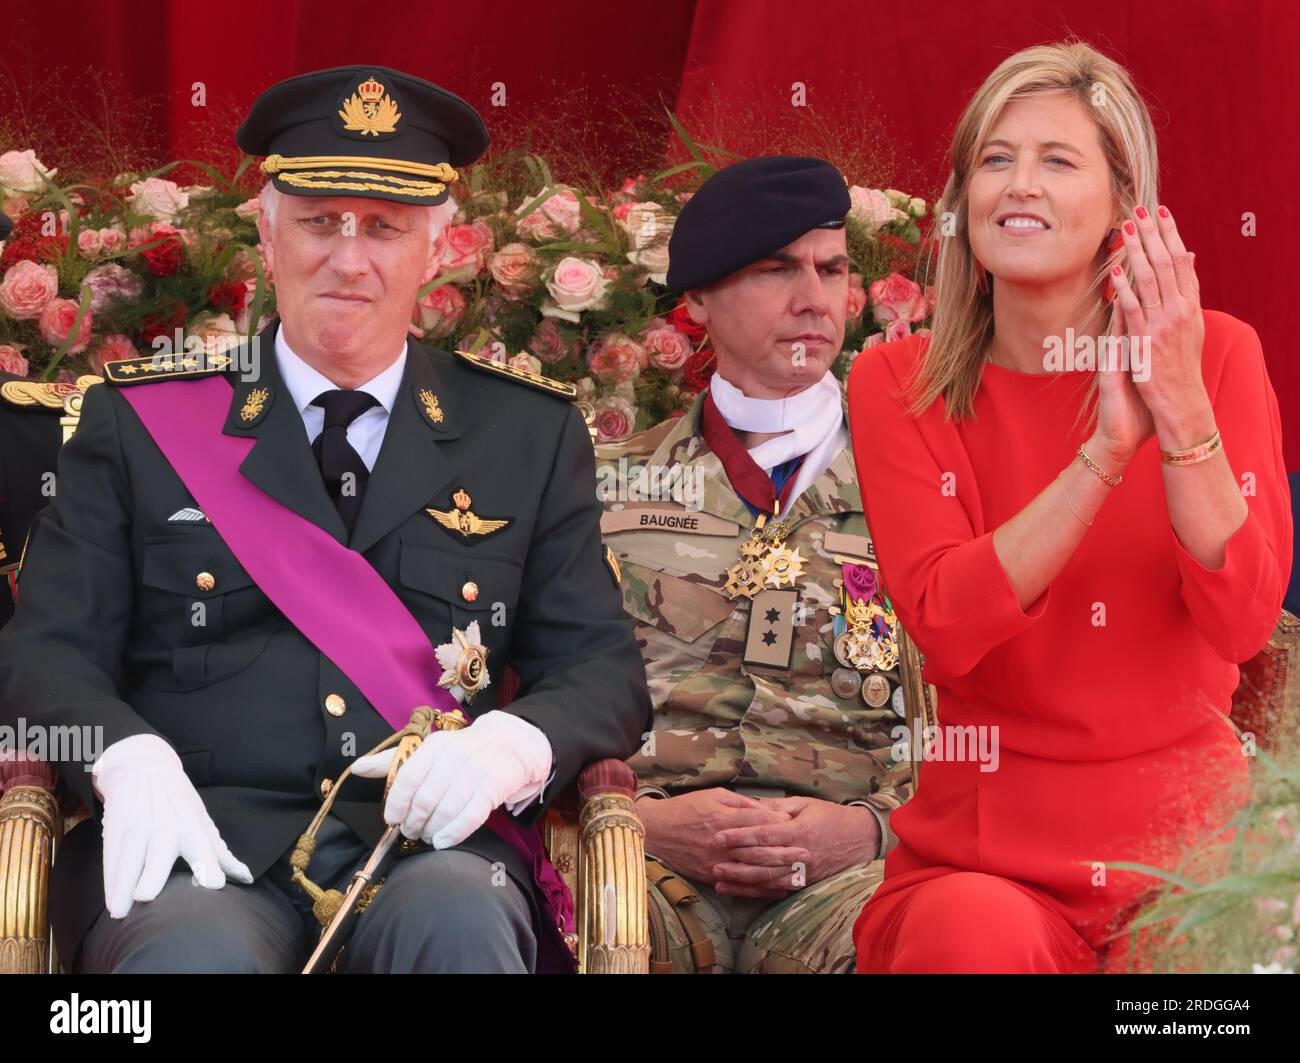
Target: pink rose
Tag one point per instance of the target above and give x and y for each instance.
(668, 347)
(466, 251)
(15, 207)
(896, 299)
(617, 358)
(112, 281)
(111, 349)
(27, 288)
(516, 270)
(559, 216)
(548, 342)
(577, 285)
(897, 330)
(89, 242)
(614, 419)
(56, 323)
(857, 297)
(874, 339)
(439, 312)
(12, 361)
(526, 362)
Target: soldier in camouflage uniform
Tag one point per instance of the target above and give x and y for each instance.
(795, 775)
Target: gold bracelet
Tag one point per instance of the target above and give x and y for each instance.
(1107, 478)
(1060, 476)
(1193, 454)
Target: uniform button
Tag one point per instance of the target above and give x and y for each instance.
(470, 591)
(205, 581)
(335, 705)
(326, 785)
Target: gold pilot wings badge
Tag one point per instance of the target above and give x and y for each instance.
(463, 523)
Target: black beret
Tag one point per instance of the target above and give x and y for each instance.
(364, 131)
(6, 224)
(750, 209)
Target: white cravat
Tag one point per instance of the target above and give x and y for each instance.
(812, 420)
(366, 433)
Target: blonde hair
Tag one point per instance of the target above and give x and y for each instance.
(962, 325)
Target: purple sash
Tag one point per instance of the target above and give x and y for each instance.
(380, 646)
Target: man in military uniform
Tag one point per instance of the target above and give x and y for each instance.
(770, 647)
(29, 445)
(221, 523)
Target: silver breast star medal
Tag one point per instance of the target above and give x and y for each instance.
(464, 664)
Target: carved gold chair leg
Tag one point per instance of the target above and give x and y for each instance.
(613, 931)
(29, 820)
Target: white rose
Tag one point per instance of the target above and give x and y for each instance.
(22, 171)
(870, 206)
(156, 198)
(647, 224)
(578, 284)
(654, 260)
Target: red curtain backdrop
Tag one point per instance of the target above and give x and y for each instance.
(1220, 76)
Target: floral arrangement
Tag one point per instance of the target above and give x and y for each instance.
(1234, 907)
(553, 277)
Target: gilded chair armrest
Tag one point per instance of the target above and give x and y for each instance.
(1267, 699)
(613, 932)
(29, 824)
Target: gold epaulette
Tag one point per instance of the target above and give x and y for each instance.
(164, 367)
(49, 396)
(536, 380)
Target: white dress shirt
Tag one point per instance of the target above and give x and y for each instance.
(366, 434)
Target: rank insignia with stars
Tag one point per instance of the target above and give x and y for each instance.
(463, 523)
(770, 636)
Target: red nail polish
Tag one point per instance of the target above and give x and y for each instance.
(1118, 271)
(1163, 211)
(1130, 228)
(1141, 212)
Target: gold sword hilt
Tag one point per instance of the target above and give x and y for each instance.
(326, 903)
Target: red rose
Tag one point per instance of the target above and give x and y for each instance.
(165, 259)
(26, 242)
(680, 318)
(699, 369)
(228, 297)
(163, 323)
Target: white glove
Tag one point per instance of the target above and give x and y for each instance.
(153, 814)
(453, 781)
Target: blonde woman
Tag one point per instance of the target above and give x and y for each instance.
(1083, 555)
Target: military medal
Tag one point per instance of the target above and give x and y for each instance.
(898, 704)
(875, 690)
(464, 664)
(869, 643)
(765, 561)
(846, 683)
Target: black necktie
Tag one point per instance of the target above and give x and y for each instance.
(344, 472)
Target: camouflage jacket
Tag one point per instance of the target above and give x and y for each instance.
(718, 720)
